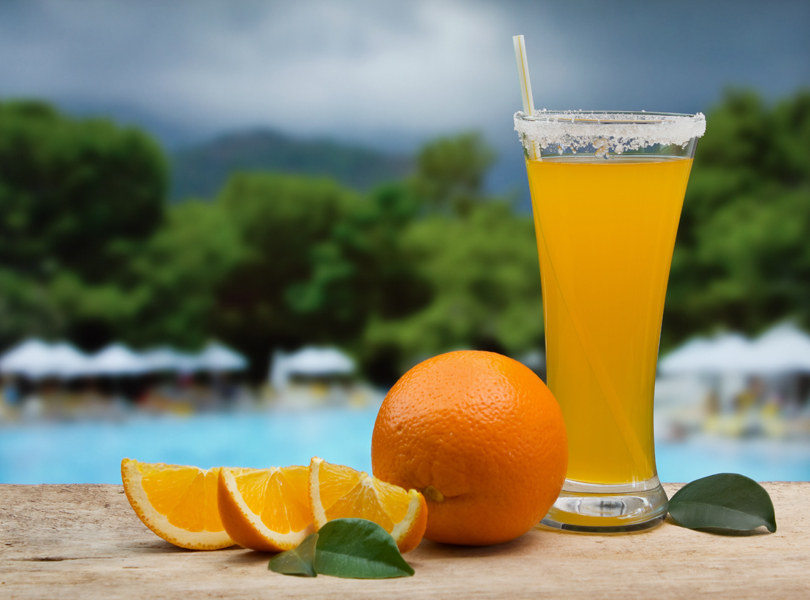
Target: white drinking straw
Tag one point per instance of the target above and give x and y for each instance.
(525, 83)
(523, 74)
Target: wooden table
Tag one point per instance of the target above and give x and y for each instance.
(84, 541)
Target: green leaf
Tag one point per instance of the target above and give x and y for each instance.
(359, 549)
(298, 561)
(726, 501)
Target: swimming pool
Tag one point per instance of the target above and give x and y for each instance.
(91, 451)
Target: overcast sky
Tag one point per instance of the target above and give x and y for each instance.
(390, 73)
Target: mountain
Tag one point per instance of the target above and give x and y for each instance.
(202, 170)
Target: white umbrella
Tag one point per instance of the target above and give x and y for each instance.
(217, 357)
(783, 349)
(31, 358)
(685, 359)
(311, 362)
(117, 359)
(731, 353)
(37, 359)
(67, 361)
(162, 359)
(189, 363)
(320, 362)
(726, 353)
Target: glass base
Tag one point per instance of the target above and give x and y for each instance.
(595, 508)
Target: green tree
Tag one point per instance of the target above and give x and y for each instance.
(27, 309)
(742, 259)
(387, 282)
(269, 300)
(320, 261)
(77, 199)
(74, 194)
(485, 279)
(165, 294)
(179, 273)
(451, 171)
(474, 258)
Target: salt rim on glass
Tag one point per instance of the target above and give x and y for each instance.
(614, 131)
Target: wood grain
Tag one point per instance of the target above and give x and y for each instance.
(84, 541)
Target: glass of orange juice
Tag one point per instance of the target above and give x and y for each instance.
(607, 190)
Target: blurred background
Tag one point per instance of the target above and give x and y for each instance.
(226, 229)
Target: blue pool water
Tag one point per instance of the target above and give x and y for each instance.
(91, 451)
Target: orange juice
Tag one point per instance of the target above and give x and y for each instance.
(605, 233)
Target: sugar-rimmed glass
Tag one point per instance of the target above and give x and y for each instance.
(607, 190)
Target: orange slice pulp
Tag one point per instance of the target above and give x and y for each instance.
(337, 491)
(265, 509)
(178, 503)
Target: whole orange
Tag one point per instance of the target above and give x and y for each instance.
(483, 439)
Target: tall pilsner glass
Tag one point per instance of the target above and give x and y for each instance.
(607, 190)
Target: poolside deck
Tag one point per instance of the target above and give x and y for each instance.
(84, 541)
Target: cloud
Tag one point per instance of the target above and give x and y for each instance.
(365, 69)
(418, 67)
(389, 71)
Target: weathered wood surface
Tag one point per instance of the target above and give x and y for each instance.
(84, 541)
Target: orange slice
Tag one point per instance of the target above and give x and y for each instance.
(178, 503)
(337, 492)
(265, 509)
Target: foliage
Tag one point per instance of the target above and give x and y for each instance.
(742, 259)
(90, 250)
(723, 503)
(74, 195)
(27, 309)
(474, 260)
(320, 261)
(451, 172)
(348, 548)
(77, 199)
(486, 286)
(179, 273)
(294, 285)
(358, 549)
